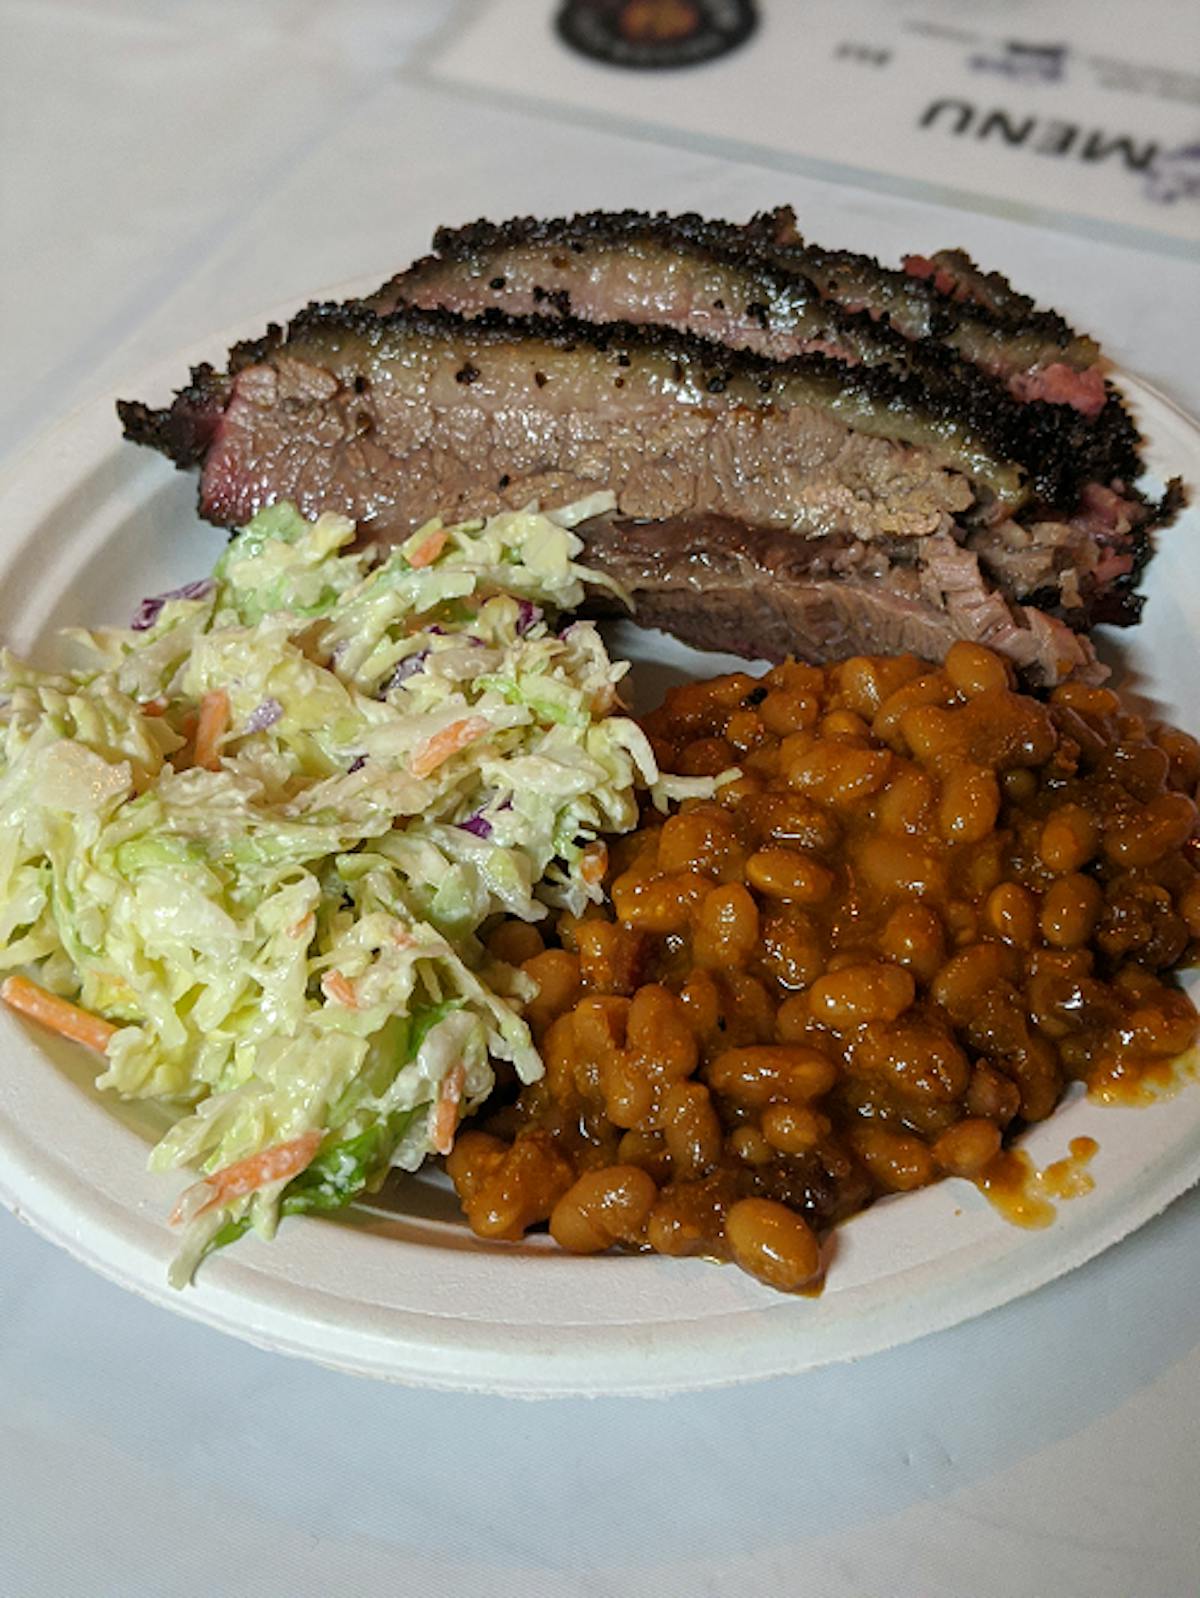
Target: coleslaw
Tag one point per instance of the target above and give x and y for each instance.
(248, 845)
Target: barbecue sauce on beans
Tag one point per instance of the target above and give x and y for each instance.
(924, 906)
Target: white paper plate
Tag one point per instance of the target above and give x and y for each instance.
(88, 524)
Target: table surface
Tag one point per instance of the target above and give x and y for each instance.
(167, 170)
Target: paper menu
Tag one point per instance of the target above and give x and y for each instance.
(1072, 114)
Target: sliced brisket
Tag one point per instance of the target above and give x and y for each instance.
(948, 298)
(805, 479)
(738, 286)
(744, 287)
(390, 418)
(764, 594)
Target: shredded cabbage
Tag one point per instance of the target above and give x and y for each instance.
(289, 943)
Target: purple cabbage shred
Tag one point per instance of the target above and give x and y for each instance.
(407, 668)
(356, 764)
(477, 825)
(528, 615)
(264, 716)
(150, 609)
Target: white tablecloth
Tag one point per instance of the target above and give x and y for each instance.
(167, 170)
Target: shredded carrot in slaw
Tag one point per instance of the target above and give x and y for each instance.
(210, 728)
(337, 987)
(278, 1164)
(428, 550)
(450, 741)
(445, 1114)
(59, 1015)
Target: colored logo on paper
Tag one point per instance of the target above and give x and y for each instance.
(649, 35)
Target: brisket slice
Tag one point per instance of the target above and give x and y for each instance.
(955, 274)
(1059, 381)
(948, 298)
(764, 594)
(726, 283)
(393, 418)
(735, 287)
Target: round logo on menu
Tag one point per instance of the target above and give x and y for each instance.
(650, 34)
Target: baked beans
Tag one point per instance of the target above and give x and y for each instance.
(927, 903)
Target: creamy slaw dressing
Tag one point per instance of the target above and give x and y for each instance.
(289, 942)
